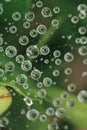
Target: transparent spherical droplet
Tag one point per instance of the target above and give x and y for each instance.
(46, 12)
(82, 30)
(19, 58)
(39, 85)
(4, 121)
(82, 7)
(11, 51)
(56, 102)
(85, 61)
(70, 103)
(1, 72)
(28, 101)
(82, 15)
(1, 49)
(58, 61)
(26, 65)
(77, 40)
(12, 82)
(21, 79)
(1, 10)
(29, 16)
(32, 114)
(83, 40)
(68, 71)
(33, 33)
(47, 82)
(41, 29)
(42, 93)
(82, 96)
(12, 29)
(26, 25)
(75, 19)
(25, 86)
(56, 53)
(50, 111)
(1, 40)
(56, 73)
(23, 40)
(39, 3)
(16, 16)
(9, 66)
(43, 118)
(46, 61)
(82, 50)
(32, 51)
(64, 95)
(60, 112)
(55, 23)
(68, 57)
(56, 10)
(44, 50)
(35, 74)
(4, 78)
(53, 126)
(71, 87)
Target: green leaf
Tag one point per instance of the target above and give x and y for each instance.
(5, 99)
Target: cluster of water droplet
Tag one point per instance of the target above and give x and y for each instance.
(34, 53)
